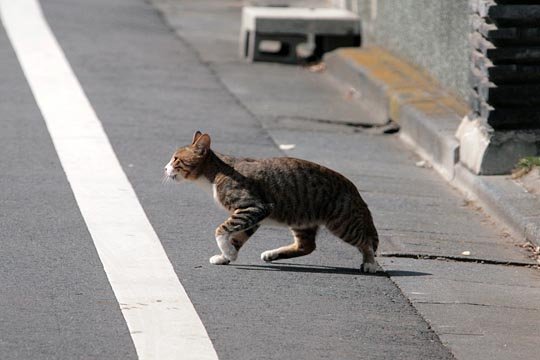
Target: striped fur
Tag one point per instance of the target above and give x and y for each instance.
(297, 193)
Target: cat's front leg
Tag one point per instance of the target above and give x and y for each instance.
(240, 221)
(219, 260)
(228, 251)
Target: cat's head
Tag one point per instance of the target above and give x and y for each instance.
(187, 162)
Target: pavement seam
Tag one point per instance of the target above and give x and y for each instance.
(430, 326)
(455, 259)
(473, 304)
(376, 129)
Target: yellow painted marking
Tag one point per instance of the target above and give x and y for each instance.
(405, 84)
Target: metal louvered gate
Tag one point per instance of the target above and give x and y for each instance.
(505, 79)
(506, 63)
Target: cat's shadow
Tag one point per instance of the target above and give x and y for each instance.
(321, 269)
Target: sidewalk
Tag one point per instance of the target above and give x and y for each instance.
(478, 289)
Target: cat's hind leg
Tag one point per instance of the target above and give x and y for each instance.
(355, 232)
(235, 231)
(368, 264)
(304, 243)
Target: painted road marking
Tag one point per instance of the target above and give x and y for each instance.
(160, 317)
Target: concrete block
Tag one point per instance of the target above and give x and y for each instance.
(489, 152)
(295, 34)
(286, 52)
(327, 43)
(289, 20)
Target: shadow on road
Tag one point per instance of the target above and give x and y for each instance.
(320, 269)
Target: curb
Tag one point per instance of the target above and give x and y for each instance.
(428, 118)
(505, 200)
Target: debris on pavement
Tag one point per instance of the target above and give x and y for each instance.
(287, 146)
(316, 68)
(423, 164)
(533, 249)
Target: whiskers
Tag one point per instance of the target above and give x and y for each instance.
(166, 179)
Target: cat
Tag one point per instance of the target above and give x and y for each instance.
(297, 193)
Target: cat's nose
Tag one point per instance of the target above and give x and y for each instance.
(167, 169)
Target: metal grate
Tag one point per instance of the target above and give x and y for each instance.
(505, 70)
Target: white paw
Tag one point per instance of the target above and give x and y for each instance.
(269, 255)
(219, 260)
(226, 247)
(369, 268)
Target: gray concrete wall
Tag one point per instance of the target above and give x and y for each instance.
(431, 34)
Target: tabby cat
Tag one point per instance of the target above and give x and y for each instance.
(297, 193)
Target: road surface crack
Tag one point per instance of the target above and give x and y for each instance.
(472, 304)
(456, 258)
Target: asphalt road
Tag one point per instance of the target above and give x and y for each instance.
(151, 91)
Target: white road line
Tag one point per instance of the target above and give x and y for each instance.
(157, 310)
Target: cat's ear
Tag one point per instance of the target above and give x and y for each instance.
(202, 144)
(196, 136)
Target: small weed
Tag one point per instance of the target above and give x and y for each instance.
(529, 162)
(525, 165)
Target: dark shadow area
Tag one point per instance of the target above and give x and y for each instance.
(320, 269)
(396, 273)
